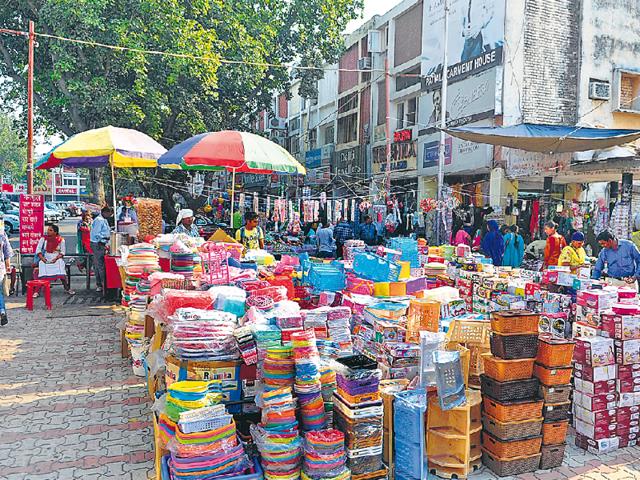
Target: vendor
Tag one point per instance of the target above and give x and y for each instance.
(555, 244)
(126, 213)
(50, 254)
(573, 255)
(185, 225)
(251, 235)
(621, 257)
(100, 236)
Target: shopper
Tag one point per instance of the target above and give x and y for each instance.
(573, 255)
(100, 236)
(493, 244)
(513, 248)
(368, 231)
(324, 241)
(83, 237)
(621, 259)
(5, 267)
(251, 235)
(185, 225)
(50, 254)
(554, 246)
(462, 238)
(342, 233)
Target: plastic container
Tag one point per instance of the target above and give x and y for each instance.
(409, 408)
(422, 315)
(410, 461)
(508, 391)
(515, 321)
(465, 358)
(255, 473)
(507, 370)
(513, 411)
(514, 345)
(554, 352)
(375, 268)
(512, 430)
(521, 447)
(449, 379)
(556, 412)
(555, 393)
(553, 376)
(511, 466)
(554, 433)
(474, 332)
(552, 456)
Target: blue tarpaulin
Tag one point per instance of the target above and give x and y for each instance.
(547, 138)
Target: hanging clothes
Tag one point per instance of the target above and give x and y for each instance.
(535, 218)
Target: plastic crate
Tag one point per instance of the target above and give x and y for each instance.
(465, 358)
(552, 456)
(364, 460)
(553, 376)
(507, 370)
(514, 346)
(508, 391)
(515, 321)
(375, 268)
(511, 466)
(512, 430)
(422, 315)
(449, 380)
(520, 447)
(410, 461)
(513, 411)
(554, 433)
(408, 414)
(470, 332)
(554, 352)
(556, 412)
(555, 393)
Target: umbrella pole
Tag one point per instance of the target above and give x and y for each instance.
(233, 193)
(113, 183)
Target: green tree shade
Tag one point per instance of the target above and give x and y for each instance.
(13, 151)
(78, 86)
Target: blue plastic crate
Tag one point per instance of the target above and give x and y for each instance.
(409, 408)
(326, 278)
(375, 268)
(409, 460)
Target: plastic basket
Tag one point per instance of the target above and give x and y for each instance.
(204, 425)
(375, 268)
(514, 346)
(409, 408)
(507, 370)
(554, 433)
(449, 379)
(511, 466)
(512, 430)
(470, 332)
(554, 352)
(515, 321)
(364, 460)
(509, 391)
(556, 412)
(552, 456)
(422, 315)
(465, 358)
(512, 411)
(553, 376)
(409, 459)
(555, 393)
(513, 448)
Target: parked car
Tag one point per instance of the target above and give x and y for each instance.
(11, 223)
(61, 212)
(52, 216)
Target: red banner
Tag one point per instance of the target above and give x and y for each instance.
(31, 222)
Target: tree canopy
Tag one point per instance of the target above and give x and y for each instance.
(80, 86)
(13, 151)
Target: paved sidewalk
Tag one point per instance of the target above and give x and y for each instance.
(70, 406)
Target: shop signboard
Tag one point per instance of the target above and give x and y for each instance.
(431, 154)
(327, 154)
(403, 157)
(350, 161)
(475, 39)
(31, 222)
(521, 164)
(313, 158)
(318, 176)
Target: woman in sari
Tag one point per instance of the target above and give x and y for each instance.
(84, 237)
(50, 253)
(493, 244)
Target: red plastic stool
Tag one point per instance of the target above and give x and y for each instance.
(33, 286)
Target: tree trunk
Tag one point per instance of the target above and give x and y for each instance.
(97, 185)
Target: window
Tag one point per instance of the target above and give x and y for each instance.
(412, 110)
(630, 92)
(294, 124)
(348, 102)
(400, 116)
(348, 128)
(313, 139)
(382, 103)
(329, 134)
(294, 144)
(408, 78)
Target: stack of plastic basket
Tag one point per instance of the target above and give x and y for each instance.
(358, 413)
(216, 263)
(409, 249)
(410, 455)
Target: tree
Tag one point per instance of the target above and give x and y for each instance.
(13, 151)
(81, 86)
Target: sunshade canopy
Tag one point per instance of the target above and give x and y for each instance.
(547, 138)
(241, 152)
(122, 147)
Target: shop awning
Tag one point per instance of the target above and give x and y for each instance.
(547, 138)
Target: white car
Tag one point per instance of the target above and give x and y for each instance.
(11, 223)
(52, 206)
(52, 215)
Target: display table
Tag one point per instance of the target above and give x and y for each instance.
(114, 280)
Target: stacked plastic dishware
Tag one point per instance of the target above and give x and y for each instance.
(307, 381)
(324, 456)
(278, 369)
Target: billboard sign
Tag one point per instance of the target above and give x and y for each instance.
(31, 222)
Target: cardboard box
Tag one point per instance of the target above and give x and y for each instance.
(600, 419)
(595, 403)
(599, 300)
(628, 400)
(627, 351)
(629, 386)
(621, 327)
(626, 415)
(596, 432)
(582, 330)
(595, 388)
(627, 372)
(595, 374)
(553, 323)
(594, 351)
(604, 445)
(588, 316)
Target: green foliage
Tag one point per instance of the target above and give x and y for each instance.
(13, 151)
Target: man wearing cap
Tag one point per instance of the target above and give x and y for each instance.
(573, 255)
(185, 225)
(621, 257)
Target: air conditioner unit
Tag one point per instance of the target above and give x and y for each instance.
(364, 63)
(374, 41)
(599, 90)
(278, 123)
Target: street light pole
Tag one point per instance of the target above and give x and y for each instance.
(443, 123)
(32, 40)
